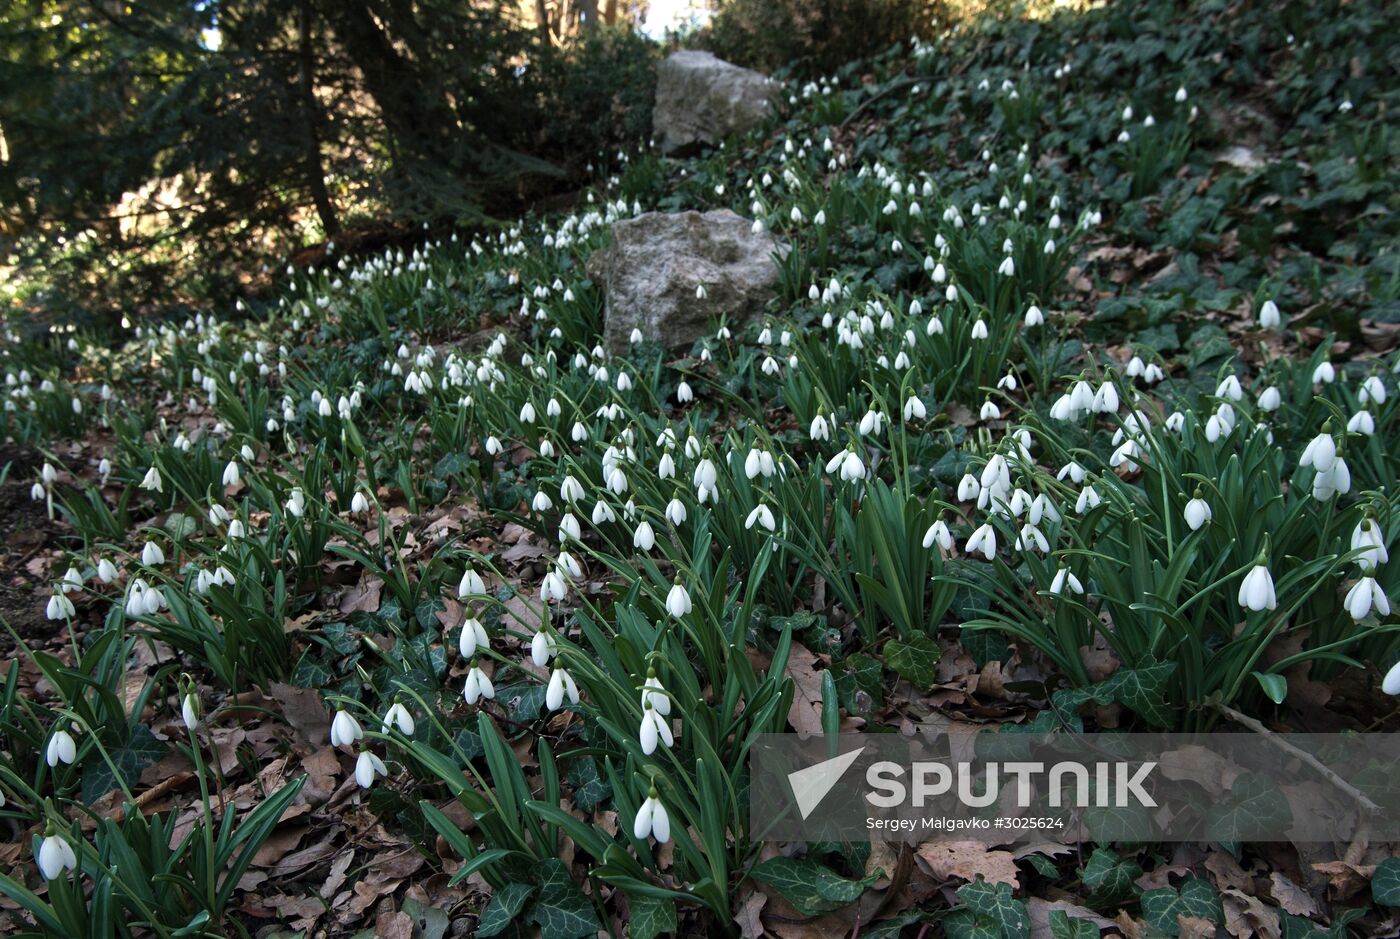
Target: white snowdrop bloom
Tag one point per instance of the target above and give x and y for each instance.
(1089, 498)
(324, 409)
(296, 503)
(1257, 590)
(1270, 399)
(478, 686)
(1175, 421)
(189, 711)
(561, 686)
(1007, 382)
(968, 488)
(1180, 95)
(652, 820)
(527, 413)
(59, 606)
(1229, 388)
(1324, 374)
(1321, 452)
(1366, 537)
(472, 637)
(678, 601)
(655, 728)
(984, 539)
(938, 534)
(397, 717)
(61, 748)
(1030, 538)
(602, 512)
(684, 394)
(644, 538)
(1106, 399)
(367, 768)
(236, 529)
(1269, 317)
(1372, 391)
(1064, 577)
(345, 730)
(989, 412)
(106, 571)
(1391, 684)
(218, 515)
(1071, 471)
(761, 516)
(753, 464)
(231, 473)
(56, 857)
(636, 337)
(675, 512)
(914, 408)
(819, 428)
(1153, 373)
(1007, 268)
(152, 555)
(1197, 512)
(542, 502)
(150, 482)
(1364, 596)
(569, 529)
(1216, 428)
(1361, 423)
(553, 587)
(543, 647)
(1334, 481)
(471, 585)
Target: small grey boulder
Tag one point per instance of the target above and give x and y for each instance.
(650, 274)
(701, 99)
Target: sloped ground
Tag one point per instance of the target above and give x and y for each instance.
(1173, 229)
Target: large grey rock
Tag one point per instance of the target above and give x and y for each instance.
(650, 272)
(701, 99)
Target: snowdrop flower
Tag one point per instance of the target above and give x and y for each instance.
(543, 647)
(296, 503)
(106, 571)
(189, 710)
(1270, 399)
(847, 465)
(989, 411)
(152, 481)
(1065, 578)
(1391, 684)
(1367, 539)
(678, 600)
(1071, 471)
(938, 534)
(675, 512)
(872, 422)
(644, 538)
(55, 857)
(1257, 588)
(359, 505)
(979, 329)
(1229, 387)
(914, 408)
(478, 685)
(968, 488)
(762, 516)
(59, 606)
(1030, 538)
(819, 429)
(345, 730)
(652, 820)
(1007, 268)
(1089, 498)
(1324, 374)
(542, 502)
(1269, 316)
(684, 393)
(1372, 391)
(60, 749)
(1197, 512)
(1365, 595)
(397, 717)
(494, 446)
(473, 637)
(1361, 423)
(471, 585)
(231, 474)
(1321, 451)
(561, 684)
(152, 555)
(655, 729)
(553, 587)
(984, 539)
(367, 767)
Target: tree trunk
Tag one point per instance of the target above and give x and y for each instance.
(315, 168)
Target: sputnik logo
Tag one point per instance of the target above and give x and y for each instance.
(810, 785)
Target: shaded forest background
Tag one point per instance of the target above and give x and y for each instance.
(160, 156)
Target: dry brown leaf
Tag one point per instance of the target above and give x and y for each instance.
(1246, 916)
(391, 925)
(303, 710)
(1039, 911)
(1293, 898)
(1227, 871)
(1195, 927)
(747, 918)
(363, 597)
(967, 859)
(805, 713)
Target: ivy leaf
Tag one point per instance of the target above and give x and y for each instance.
(1144, 690)
(504, 909)
(1385, 882)
(562, 911)
(590, 789)
(965, 924)
(1062, 927)
(1162, 906)
(1110, 879)
(996, 903)
(140, 750)
(811, 888)
(1256, 811)
(914, 658)
(652, 917)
